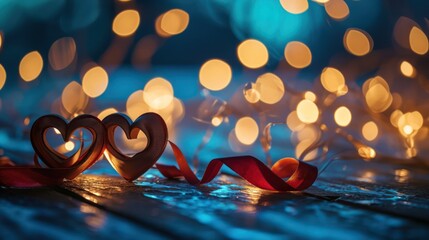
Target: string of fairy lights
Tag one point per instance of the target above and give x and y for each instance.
(333, 105)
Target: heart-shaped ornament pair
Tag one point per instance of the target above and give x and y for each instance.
(129, 167)
(80, 160)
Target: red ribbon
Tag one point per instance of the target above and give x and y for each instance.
(248, 167)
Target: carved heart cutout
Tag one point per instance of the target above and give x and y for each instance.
(155, 129)
(80, 160)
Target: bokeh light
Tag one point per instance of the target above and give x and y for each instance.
(294, 6)
(73, 98)
(377, 94)
(174, 22)
(297, 54)
(418, 41)
(215, 74)
(31, 66)
(410, 122)
(246, 130)
(158, 93)
(252, 53)
(370, 131)
(332, 79)
(337, 9)
(307, 111)
(69, 146)
(95, 81)
(309, 95)
(136, 105)
(217, 120)
(394, 117)
(158, 28)
(407, 69)
(366, 152)
(126, 23)
(343, 116)
(357, 42)
(2, 76)
(270, 88)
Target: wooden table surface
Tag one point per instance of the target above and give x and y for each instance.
(351, 200)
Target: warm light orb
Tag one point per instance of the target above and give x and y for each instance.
(343, 116)
(367, 152)
(246, 130)
(95, 81)
(252, 53)
(1, 39)
(106, 112)
(69, 145)
(215, 74)
(394, 117)
(158, 28)
(407, 129)
(407, 69)
(332, 79)
(307, 111)
(26, 121)
(414, 119)
(174, 21)
(418, 41)
(158, 93)
(309, 95)
(126, 23)
(370, 131)
(297, 54)
(2, 76)
(73, 98)
(343, 91)
(410, 122)
(357, 42)
(270, 88)
(31, 66)
(217, 120)
(136, 105)
(378, 96)
(337, 9)
(294, 6)
(62, 53)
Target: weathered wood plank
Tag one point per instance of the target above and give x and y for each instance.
(124, 198)
(230, 208)
(378, 186)
(46, 214)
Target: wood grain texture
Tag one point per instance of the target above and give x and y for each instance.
(47, 214)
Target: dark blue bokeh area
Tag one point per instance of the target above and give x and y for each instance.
(215, 29)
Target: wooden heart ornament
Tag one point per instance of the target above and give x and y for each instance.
(80, 160)
(155, 129)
